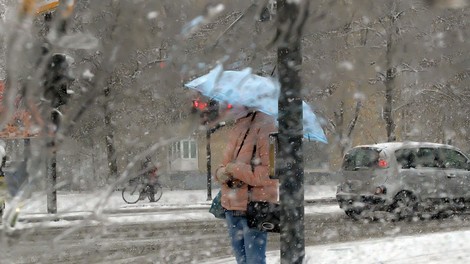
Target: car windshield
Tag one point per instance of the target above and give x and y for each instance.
(361, 158)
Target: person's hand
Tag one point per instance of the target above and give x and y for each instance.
(230, 168)
(223, 175)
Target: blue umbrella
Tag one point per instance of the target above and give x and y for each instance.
(251, 90)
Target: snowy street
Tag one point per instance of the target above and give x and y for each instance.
(174, 205)
(153, 233)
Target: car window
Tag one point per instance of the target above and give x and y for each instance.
(406, 158)
(454, 159)
(428, 158)
(361, 158)
(410, 158)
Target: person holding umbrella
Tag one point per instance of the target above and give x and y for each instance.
(244, 176)
(244, 171)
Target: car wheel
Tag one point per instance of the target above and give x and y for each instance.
(405, 205)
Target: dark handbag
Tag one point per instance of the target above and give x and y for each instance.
(216, 207)
(264, 216)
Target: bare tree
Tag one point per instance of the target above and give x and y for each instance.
(342, 131)
(392, 30)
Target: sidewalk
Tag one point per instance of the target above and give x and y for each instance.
(76, 205)
(435, 248)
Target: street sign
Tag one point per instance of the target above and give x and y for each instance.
(20, 125)
(37, 7)
(43, 6)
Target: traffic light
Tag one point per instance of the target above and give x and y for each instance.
(56, 80)
(212, 111)
(199, 105)
(208, 110)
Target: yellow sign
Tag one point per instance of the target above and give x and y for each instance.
(46, 5)
(21, 123)
(38, 6)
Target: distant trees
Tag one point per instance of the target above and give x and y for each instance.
(128, 88)
(410, 48)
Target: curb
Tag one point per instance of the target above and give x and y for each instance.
(76, 216)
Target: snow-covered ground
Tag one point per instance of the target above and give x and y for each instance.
(184, 205)
(446, 247)
(87, 201)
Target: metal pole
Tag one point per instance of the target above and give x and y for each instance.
(55, 84)
(209, 158)
(209, 177)
(290, 157)
(26, 147)
(51, 184)
(52, 169)
(51, 176)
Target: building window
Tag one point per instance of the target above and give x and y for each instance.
(184, 149)
(193, 149)
(183, 155)
(175, 150)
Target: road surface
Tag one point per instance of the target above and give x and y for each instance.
(184, 241)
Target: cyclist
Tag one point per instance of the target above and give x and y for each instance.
(150, 175)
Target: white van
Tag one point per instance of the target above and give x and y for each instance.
(403, 178)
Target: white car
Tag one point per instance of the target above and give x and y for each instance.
(403, 178)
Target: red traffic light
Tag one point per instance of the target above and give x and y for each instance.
(199, 105)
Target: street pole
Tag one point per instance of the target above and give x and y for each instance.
(209, 177)
(209, 158)
(51, 172)
(291, 18)
(52, 182)
(55, 82)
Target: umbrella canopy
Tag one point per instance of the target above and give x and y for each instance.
(254, 91)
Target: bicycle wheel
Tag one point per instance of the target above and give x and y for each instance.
(131, 193)
(157, 193)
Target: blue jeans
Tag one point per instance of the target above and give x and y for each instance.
(248, 244)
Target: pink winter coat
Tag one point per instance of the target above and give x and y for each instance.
(263, 188)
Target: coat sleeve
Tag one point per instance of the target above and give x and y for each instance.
(227, 156)
(259, 174)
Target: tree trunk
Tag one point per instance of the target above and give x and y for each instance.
(111, 150)
(390, 80)
(291, 18)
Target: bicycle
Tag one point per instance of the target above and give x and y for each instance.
(138, 190)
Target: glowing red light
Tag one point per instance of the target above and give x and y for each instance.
(229, 106)
(383, 163)
(199, 105)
